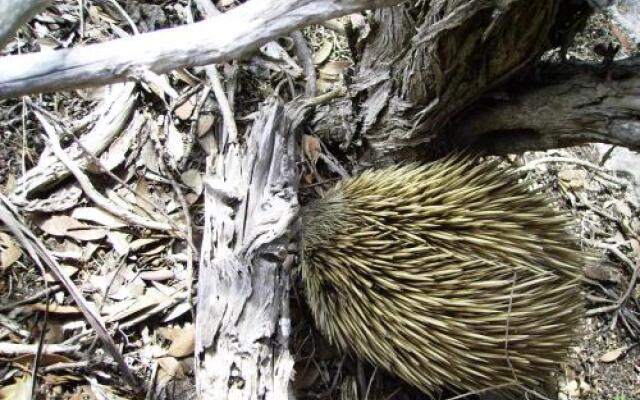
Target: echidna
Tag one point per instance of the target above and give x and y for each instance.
(449, 275)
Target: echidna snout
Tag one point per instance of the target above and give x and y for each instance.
(453, 274)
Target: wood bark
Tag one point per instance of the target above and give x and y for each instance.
(566, 105)
(425, 62)
(242, 323)
(222, 38)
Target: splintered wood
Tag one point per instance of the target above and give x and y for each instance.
(242, 323)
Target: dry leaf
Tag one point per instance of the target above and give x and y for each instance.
(119, 241)
(158, 275)
(148, 158)
(98, 216)
(312, 148)
(613, 355)
(177, 311)
(171, 367)
(68, 250)
(573, 178)
(87, 235)
(51, 379)
(205, 122)
(193, 179)
(10, 184)
(184, 110)
(127, 308)
(26, 360)
(175, 143)
(67, 270)
(83, 393)
(159, 84)
(208, 143)
(9, 256)
(184, 344)
(56, 308)
(58, 225)
(635, 245)
(323, 52)
(20, 390)
(103, 392)
(140, 243)
(333, 71)
(155, 250)
(62, 225)
(602, 272)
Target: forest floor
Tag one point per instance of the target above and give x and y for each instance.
(136, 280)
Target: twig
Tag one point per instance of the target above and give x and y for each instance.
(126, 16)
(335, 26)
(191, 249)
(14, 13)
(30, 299)
(632, 282)
(8, 349)
(480, 391)
(88, 188)
(225, 108)
(40, 345)
(306, 59)
(103, 168)
(65, 366)
(599, 170)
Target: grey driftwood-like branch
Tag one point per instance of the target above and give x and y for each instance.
(242, 319)
(570, 105)
(14, 13)
(221, 38)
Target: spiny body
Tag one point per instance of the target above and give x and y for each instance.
(452, 274)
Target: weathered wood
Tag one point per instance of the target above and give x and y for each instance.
(242, 321)
(221, 38)
(567, 105)
(424, 62)
(14, 13)
(110, 118)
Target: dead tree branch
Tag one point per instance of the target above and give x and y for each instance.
(568, 105)
(221, 38)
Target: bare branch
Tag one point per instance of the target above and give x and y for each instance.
(221, 38)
